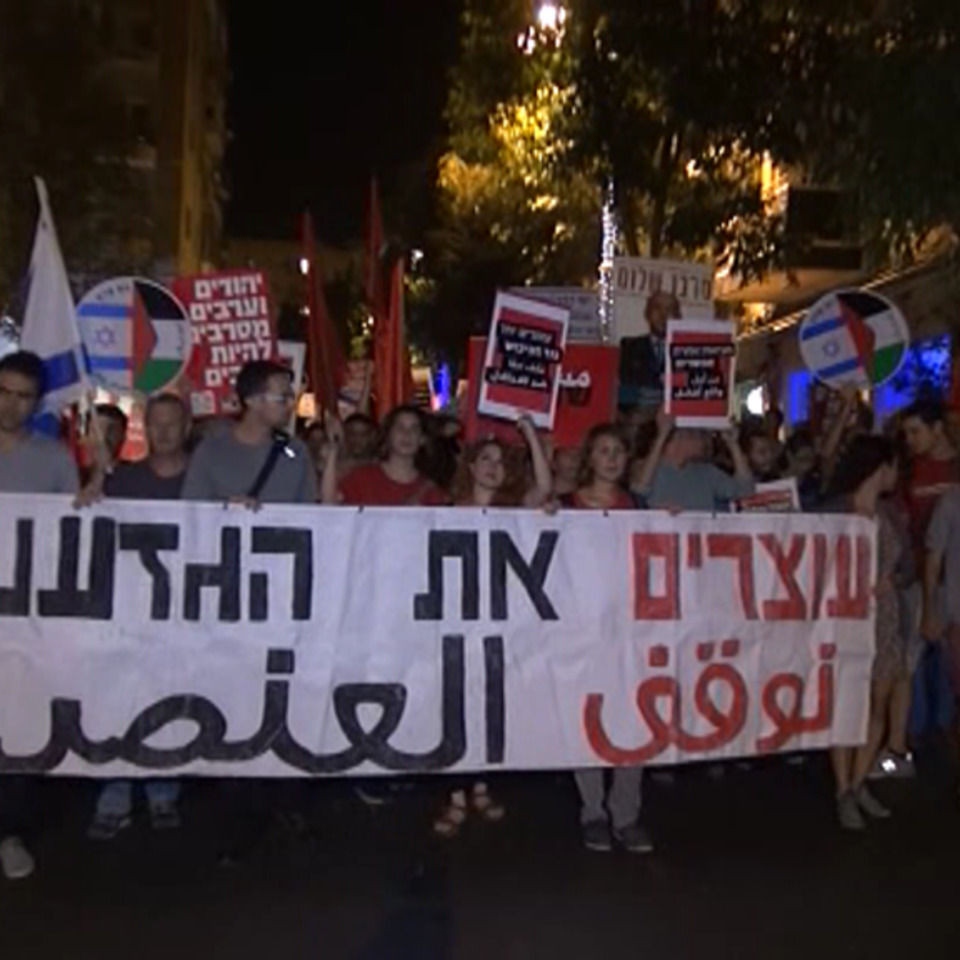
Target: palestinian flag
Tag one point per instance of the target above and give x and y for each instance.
(854, 336)
(136, 335)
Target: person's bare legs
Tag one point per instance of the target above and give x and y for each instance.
(841, 758)
(880, 697)
(900, 700)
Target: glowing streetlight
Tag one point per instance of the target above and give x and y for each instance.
(304, 266)
(551, 17)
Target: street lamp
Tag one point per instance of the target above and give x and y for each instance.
(304, 266)
(551, 17)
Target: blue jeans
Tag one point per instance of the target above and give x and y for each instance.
(116, 796)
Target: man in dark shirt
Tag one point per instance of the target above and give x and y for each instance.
(158, 477)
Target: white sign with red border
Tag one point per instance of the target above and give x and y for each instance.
(521, 371)
(700, 366)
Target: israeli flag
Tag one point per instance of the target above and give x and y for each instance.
(50, 321)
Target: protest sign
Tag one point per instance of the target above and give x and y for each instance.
(854, 336)
(636, 279)
(588, 395)
(583, 304)
(701, 356)
(136, 335)
(779, 496)
(233, 324)
(521, 374)
(309, 641)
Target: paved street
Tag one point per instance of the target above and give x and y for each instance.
(750, 866)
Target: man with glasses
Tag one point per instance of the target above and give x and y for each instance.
(254, 461)
(28, 464)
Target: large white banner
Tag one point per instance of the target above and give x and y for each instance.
(196, 639)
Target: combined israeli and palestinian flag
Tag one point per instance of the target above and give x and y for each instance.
(854, 336)
(136, 335)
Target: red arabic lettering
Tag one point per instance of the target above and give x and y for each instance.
(646, 547)
(847, 606)
(739, 547)
(667, 731)
(789, 723)
(795, 606)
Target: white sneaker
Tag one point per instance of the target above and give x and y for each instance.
(890, 764)
(15, 859)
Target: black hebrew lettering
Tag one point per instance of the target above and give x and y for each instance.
(299, 544)
(147, 540)
(68, 600)
(495, 688)
(259, 606)
(503, 554)
(15, 600)
(462, 544)
(224, 576)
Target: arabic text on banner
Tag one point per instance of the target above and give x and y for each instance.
(196, 640)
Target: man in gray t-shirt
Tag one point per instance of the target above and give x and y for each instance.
(228, 462)
(29, 463)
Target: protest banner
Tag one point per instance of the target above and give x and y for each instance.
(778, 496)
(583, 305)
(136, 335)
(854, 336)
(232, 320)
(310, 641)
(588, 395)
(521, 374)
(636, 279)
(700, 362)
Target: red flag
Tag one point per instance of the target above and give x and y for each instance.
(327, 367)
(392, 358)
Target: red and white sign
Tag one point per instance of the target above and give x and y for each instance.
(232, 320)
(521, 372)
(588, 394)
(699, 380)
(780, 496)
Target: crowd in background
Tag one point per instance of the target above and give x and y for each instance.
(904, 476)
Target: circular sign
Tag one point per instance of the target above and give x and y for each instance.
(854, 336)
(136, 335)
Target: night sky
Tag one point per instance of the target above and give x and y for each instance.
(314, 112)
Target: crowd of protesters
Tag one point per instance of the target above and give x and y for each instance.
(905, 477)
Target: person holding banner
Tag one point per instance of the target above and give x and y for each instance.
(28, 464)
(864, 477)
(602, 472)
(159, 477)
(255, 461)
(396, 480)
(483, 480)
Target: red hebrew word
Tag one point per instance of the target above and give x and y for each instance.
(739, 547)
(857, 606)
(647, 546)
(794, 607)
